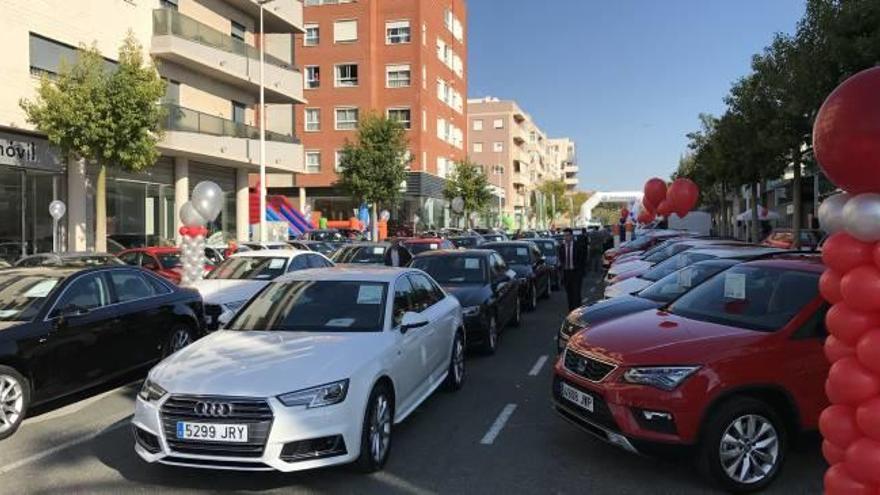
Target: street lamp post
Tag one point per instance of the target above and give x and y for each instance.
(262, 213)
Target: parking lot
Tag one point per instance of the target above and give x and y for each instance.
(498, 435)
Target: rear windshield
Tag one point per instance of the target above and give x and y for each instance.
(363, 255)
(249, 268)
(453, 269)
(421, 247)
(514, 255)
(169, 260)
(465, 242)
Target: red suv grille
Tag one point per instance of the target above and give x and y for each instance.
(590, 368)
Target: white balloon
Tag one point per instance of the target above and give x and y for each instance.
(458, 205)
(861, 216)
(385, 215)
(831, 212)
(190, 217)
(207, 198)
(57, 209)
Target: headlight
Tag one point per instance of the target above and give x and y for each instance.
(151, 392)
(470, 311)
(569, 328)
(662, 377)
(234, 305)
(320, 396)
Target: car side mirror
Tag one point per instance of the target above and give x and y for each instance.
(69, 311)
(412, 321)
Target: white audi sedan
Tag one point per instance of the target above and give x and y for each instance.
(314, 371)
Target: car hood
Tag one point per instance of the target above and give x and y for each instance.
(628, 266)
(265, 364)
(470, 294)
(522, 271)
(610, 309)
(626, 287)
(221, 291)
(657, 337)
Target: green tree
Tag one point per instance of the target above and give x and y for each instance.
(468, 182)
(554, 198)
(373, 167)
(107, 117)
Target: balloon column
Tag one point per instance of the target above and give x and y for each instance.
(846, 142)
(205, 205)
(659, 200)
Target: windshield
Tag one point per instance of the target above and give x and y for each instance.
(670, 287)
(366, 255)
(493, 237)
(421, 247)
(22, 295)
(548, 248)
(325, 235)
(465, 242)
(316, 306)
(249, 268)
(322, 247)
(514, 255)
(170, 260)
(666, 252)
(674, 263)
(453, 269)
(753, 297)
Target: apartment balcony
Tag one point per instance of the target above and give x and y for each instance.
(218, 56)
(220, 141)
(571, 181)
(518, 140)
(279, 16)
(570, 169)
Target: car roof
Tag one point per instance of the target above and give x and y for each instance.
(521, 243)
(271, 253)
(808, 262)
(347, 273)
(456, 252)
(734, 251)
(156, 249)
(424, 240)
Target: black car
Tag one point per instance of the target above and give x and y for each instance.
(550, 249)
(524, 258)
(64, 330)
(485, 287)
(323, 247)
(77, 259)
(365, 253)
(656, 295)
(495, 237)
(467, 241)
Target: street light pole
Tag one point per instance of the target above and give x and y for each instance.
(262, 212)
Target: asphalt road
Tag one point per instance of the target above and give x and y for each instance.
(446, 446)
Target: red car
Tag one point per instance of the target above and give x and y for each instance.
(421, 245)
(733, 369)
(640, 244)
(163, 261)
(784, 238)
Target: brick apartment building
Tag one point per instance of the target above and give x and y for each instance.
(402, 58)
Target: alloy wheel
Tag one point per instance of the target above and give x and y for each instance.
(749, 449)
(458, 361)
(380, 428)
(180, 339)
(11, 402)
(533, 297)
(492, 336)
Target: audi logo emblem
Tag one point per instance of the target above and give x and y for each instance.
(213, 409)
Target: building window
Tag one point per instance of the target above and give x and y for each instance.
(313, 77)
(402, 115)
(424, 121)
(424, 34)
(238, 111)
(397, 32)
(345, 31)
(313, 35)
(346, 75)
(478, 125)
(498, 123)
(313, 119)
(47, 56)
(337, 161)
(346, 119)
(313, 161)
(238, 31)
(314, 3)
(398, 76)
(478, 147)
(497, 146)
(498, 169)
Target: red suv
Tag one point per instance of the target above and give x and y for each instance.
(163, 261)
(734, 368)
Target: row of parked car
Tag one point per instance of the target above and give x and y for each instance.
(706, 346)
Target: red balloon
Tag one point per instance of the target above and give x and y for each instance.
(868, 350)
(863, 459)
(868, 418)
(839, 482)
(645, 217)
(835, 349)
(847, 324)
(860, 288)
(655, 192)
(846, 135)
(851, 383)
(683, 194)
(833, 454)
(624, 212)
(183, 230)
(829, 286)
(843, 252)
(664, 208)
(838, 425)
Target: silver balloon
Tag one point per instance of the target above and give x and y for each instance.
(57, 209)
(458, 204)
(831, 213)
(190, 217)
(207, 198)
(861, 217)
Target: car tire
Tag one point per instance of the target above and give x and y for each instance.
(490, 339)
(517, 313)
(532, 303)
(15, 397)
(742, 432)
(377, 429)
(180, 336)
(455, 376)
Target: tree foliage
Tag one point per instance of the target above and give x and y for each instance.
(468, 182)
(554, 194)
(373, 167)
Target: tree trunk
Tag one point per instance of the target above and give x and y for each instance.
(755, 224)
(724, 229)
(374, 223)
(101, 210)
(797, 202)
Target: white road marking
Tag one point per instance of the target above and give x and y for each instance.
(498, 425)
(401, 484)
(538, 365)
(119, 423)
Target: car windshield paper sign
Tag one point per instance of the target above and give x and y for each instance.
(735, 285)
(277, 263)
(434, 246)
(340, 322)
(471, 264)
(522, 252)
(685, 278)
(378, 250)
(369, 294)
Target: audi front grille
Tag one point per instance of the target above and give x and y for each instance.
(255, 413)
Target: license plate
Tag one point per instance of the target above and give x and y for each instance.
(572, 394)
(212, 432)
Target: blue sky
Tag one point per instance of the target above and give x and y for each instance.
(625, 79)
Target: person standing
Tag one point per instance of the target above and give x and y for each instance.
(571, 258)
(397, 255)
